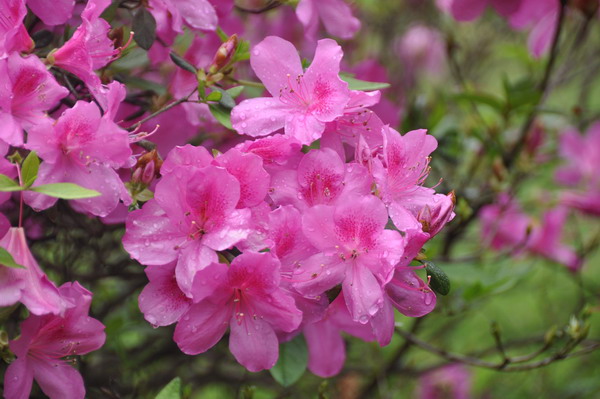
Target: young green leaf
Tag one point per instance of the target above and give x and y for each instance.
(172, 390)
(363, 85)
(182, 63)
(214, 96)
(29, 170)
(293, 358)
(226, 100)
(7, 260)
(234, 92)
(221, 114)
(65, 191)
(8, 184)
(144, 28)
(440, 282)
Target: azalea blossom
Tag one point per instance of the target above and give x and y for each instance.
(44, 344)
(302, 102)
(83, 147)
(356, 251)
(28, 90)
(245, 297)
(13, 35)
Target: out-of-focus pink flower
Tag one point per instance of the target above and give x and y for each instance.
(245, 297)
(13, 35)
(85, 148)
(45, 341)
(27, 90)
(422, 52)
(504, 225)
(449, 382)
(29, 285)
(356, 251)
(335, 15)
(582, 153)
(302, 103)
(546, 240)
(542, 17)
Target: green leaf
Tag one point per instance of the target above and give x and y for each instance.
(234, 92)
(172, 390)
(144, 28)
(226, 100)
(221, 114)
(440, 282)
(293, 358)
(481, 98)
(29, 169)
(65, 191)
(356, 84)
(182, 63)
(214, 96)
(8, 184)
(242, 51)
(7, 260)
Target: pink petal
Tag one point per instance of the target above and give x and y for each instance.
(305, 128)
(18, 379)
(162, 302)
(193, 258)
(201, 327)
(275, 61)
(318, 226)
(542, 33)
(324, 338)
(60, 12)
(253, 343)
(248, 170)
(259, 116)
(58, 379)
(186, 156)
(318, 274)
(279, 310)
(150, 237)
(199, 14)
(410, 295)
(363, 293)
(306, 12)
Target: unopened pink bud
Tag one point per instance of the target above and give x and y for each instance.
(148, 174)
(224, 54)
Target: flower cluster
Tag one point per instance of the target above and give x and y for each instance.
(270, 239)
(309, 229)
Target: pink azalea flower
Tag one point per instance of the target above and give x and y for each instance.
(13, 35)
(400, 173)
(88, 49)
(30, 285)
(84, 148)
(193, 215)
(336, 15)
(162, 302)
(320, 178)
(542, 17)
(60, 12)
(356, 251)
(45, 341)
(546, 240)
(302, 102)
(289, 243)
(246, 298)
(449, 382)
(27, 90)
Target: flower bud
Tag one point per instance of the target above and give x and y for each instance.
(147, 168)
(224, 54)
